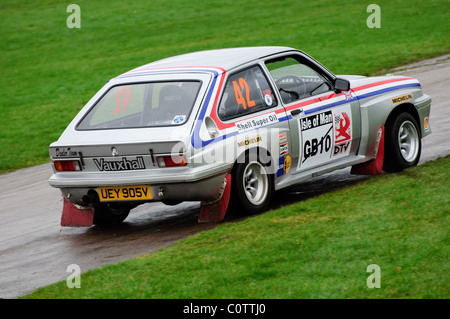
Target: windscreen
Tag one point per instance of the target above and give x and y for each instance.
(143, 105)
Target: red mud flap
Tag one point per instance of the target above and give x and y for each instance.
(375, 166)
(215, 211)
(76, 217)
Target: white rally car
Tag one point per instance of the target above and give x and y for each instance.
(232, 124)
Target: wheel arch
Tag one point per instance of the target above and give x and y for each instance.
(257, 150)
(239, 200)
(404, 107)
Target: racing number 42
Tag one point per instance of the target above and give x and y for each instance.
(126, 98)
(237, 92)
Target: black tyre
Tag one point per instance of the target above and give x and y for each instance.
(252, 187)
(107, 214)
(402, 143)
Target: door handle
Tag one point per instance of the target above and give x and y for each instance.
(296, 111)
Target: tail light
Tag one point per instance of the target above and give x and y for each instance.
(67, 166)
(171, 160)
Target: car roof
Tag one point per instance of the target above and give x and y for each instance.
(220, 58)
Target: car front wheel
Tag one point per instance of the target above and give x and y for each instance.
(402, 143)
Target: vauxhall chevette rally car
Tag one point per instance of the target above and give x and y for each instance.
(230, 125)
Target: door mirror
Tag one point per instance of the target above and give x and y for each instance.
(341, 85)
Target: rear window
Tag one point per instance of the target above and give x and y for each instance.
(143, 105)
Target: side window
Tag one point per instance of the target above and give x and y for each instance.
(246, 92)
(296, 80)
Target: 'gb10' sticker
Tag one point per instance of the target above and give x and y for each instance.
(325, 136)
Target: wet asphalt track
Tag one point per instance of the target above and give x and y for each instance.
(35, 250)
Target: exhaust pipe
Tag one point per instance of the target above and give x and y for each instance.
(91, 197)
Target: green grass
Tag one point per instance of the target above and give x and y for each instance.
(50, 71)
(318, 248)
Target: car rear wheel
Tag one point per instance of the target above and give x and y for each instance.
(106, 214)
(252, 187)
(402, 143)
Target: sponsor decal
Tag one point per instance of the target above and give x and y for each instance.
(122, 165)
(317, 136)
(348, 95)
(317, 145)
(268, 99)
(257, 122)
(343, 136)
(287, 164)
(178, 119)
(317, 120)
(325, 136)
(249, 141)
(280, 170)
(66, 152)
(284, 165)
(402, 98)
(341, 148)
(282, 137)
(284, 146)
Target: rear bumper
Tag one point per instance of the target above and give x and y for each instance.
(174, 184)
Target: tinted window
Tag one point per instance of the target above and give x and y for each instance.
(143, 105)
(246, 92)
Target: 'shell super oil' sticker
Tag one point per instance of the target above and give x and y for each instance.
(257, 122)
